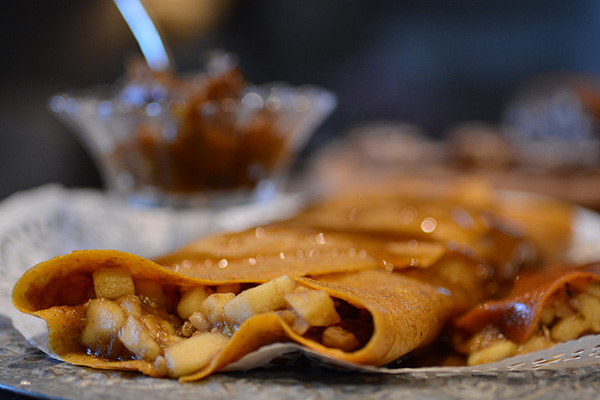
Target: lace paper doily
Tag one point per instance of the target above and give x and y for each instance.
(41, 223)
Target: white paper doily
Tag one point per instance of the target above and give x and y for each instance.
(38, 224)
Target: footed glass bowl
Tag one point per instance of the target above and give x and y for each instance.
(209, 139)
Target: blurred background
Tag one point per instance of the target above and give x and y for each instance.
(432, 63)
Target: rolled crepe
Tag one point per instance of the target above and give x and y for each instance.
(545, 307)
(366, 293)
(386, 315)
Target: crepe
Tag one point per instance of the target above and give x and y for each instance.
(387, 228)
(366, 293)
(390, 314)
(546, 306)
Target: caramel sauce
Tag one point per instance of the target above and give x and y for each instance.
(202, 145)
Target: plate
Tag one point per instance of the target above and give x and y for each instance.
(26, 370)
(51, 220)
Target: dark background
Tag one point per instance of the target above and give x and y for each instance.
(433, 63)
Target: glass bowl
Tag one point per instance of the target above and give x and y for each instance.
(210, 138)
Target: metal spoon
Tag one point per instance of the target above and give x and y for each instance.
(145, 33)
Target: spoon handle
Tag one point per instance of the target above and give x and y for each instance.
(145, 33)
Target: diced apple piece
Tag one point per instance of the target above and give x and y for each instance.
(131, 305)
(547, 315)
(314, 306)
(151, 291)
(300, 326)
(593, 289)
(138, 339)
(535, 343)
(288, 316)
(260, 299)
(338, 338)
(499, 350)
(199, 321)
(190, 355)
(103, 319)
(191, 301)
(589, 307)
(213, 307)
(160, 366)
(564, 310)
(188, 329)
(569, 328)
(112, 283)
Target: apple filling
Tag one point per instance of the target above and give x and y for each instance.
(181, 330)
(570, 313)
